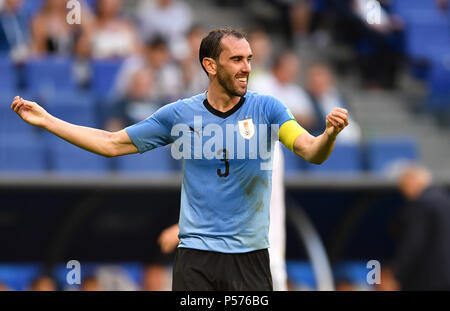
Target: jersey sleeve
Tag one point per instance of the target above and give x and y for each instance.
(154, 131)
(277, 112)
(289, 129)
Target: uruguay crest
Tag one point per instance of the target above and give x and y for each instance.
(246, 128)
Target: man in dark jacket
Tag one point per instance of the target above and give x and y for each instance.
(422, 259)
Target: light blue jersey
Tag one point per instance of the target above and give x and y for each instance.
(227, 175)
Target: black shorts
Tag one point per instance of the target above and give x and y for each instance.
(197, 270)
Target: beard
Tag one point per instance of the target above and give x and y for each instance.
(227, 81)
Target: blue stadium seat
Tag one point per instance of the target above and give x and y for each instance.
(382, 155)
(66, 158)
(345, 158)
(74, 107)
(10, 122)
(19, 276)
(22, 154)
(301, 274)
(431, 40)
(353, 271)
(49, 74)
(8, 74)
(400, 6)
(157, 160)
(104, 74)
(293, 164)
(32, 7)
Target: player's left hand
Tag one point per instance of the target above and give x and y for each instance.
(337, 120)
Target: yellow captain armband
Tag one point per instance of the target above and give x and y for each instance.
(289, 132)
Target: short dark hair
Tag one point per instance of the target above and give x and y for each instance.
(211, 46)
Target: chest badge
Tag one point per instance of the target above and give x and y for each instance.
(246, 128)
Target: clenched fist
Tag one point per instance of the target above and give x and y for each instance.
(337, 120)
(29, 111)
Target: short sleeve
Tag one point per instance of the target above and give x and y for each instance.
(276, 111)
(154, 131)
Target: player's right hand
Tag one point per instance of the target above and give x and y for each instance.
(29, 111)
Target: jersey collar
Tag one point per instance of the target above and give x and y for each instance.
(225, 114)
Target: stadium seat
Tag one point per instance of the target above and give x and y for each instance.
(8, 74)
(22, 154)
(292, 163)
(32, 7)
(345, 158)
(104, 75)
(19, 276)
(10, 122)
(49, 73)
(74, 107)
(300, 273)
(383, 155)
(431, 40)
(66, 158)
(157, 160)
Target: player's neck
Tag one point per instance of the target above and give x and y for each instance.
(220, 100)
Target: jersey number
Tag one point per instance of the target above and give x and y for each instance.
(227, 164)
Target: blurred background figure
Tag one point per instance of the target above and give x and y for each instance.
(50, 32)
(90, 283)
(423, 255)
(137, 104)
(170, 19)
(262, 49)
(283, 84)
(194, 78)
(43, 283)
(157, 277)
(14, 33)
(379, 45)
(110, 35)
(324, 97)
(168, 78)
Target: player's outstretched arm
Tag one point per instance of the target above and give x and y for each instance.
(317, 149)
(94, 140)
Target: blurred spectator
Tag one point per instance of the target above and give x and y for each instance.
(137, 104)
(170, 19)
(50, 31)
(300, 18)
(194, 78)
(168, 76)
(422, 257)
(380, 47)
(261, 45)
(282, 84)
(110, 35)
(14, 34)
(324, 97)
(90, 283)
(43, 283)
(157, 277)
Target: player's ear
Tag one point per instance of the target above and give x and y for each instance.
(210, 65)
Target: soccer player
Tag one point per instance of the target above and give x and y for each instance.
(225, 196)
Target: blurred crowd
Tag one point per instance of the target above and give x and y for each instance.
(157, 42)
